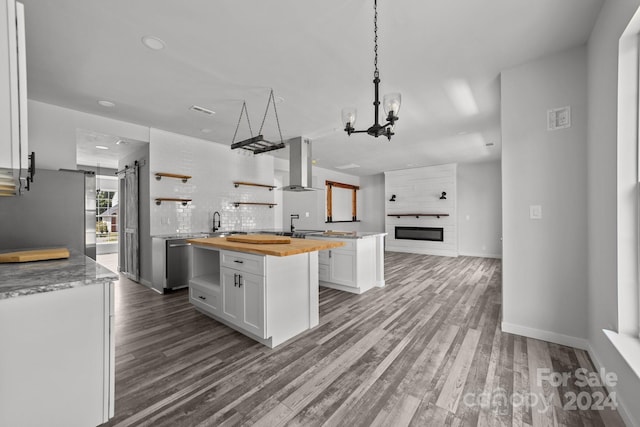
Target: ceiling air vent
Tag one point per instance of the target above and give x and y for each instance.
(202, 110)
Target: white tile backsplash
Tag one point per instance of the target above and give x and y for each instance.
(213, 168)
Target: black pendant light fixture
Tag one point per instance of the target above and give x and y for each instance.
(391, 101)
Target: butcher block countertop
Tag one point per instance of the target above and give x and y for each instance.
(297, 246)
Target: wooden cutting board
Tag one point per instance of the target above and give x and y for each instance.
(263, 239)
(34, 255)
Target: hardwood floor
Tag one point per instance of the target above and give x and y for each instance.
(426, 350)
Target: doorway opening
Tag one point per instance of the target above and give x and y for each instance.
(101, 156)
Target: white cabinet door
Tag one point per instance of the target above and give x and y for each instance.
(243, 300)
(342, 267)
(251, 289)
(13, 89)
(230, 294)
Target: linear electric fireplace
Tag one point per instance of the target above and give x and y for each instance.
(433, 234)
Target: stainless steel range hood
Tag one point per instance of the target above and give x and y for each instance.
(299, 165)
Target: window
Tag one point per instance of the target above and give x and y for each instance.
(106, 216)
(342, 202)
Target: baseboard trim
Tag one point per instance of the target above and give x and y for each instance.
(420, 251)
(622, 407)
(549, 336)
(480, 255)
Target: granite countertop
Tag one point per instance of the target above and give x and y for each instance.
(19, 279)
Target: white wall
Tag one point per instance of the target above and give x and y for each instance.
(213, 168)
(52, 133)
(545, 260)
(479, 209)
(603, 198)
(418, 190)
(314, 202)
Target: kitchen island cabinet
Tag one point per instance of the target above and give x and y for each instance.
(56, 329)
(268, 292)
(355, 267)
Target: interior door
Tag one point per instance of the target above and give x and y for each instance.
(131, 247)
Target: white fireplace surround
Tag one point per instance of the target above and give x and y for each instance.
(417, 195)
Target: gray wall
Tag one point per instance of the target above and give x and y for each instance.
(545, 260)
(51, 214)
(479, 192)
(603, 184)
(372, 193)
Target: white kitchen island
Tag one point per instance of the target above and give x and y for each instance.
(268, 292)
(355, 267)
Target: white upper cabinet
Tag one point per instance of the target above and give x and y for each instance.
(14, 153)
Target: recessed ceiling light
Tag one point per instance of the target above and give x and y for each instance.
(279, 99)
(101, 147)
(205, 130)
(106, 103)
(153, 42)
(121, 142)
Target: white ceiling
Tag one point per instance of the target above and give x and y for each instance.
(318, 56)
(113, 148)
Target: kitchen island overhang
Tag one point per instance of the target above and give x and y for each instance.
(268, 292)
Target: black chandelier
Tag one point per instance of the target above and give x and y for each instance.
(391, 101)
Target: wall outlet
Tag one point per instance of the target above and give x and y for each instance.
(559, 118)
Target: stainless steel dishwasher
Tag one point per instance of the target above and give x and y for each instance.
(178, 263)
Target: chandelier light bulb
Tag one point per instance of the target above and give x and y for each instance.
(349, 116)
(391, 103)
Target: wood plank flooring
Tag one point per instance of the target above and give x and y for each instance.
(426, 350)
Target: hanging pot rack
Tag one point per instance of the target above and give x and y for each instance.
(257, 144)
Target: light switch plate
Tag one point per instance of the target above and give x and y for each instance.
(535, 212)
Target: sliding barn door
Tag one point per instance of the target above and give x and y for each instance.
(131, 255)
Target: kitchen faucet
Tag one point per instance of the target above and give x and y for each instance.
(294, 216)
(216, 227)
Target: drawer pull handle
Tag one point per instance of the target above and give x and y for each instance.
(202, 298)
(238, 261)
(239, 280)
(235, 279)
